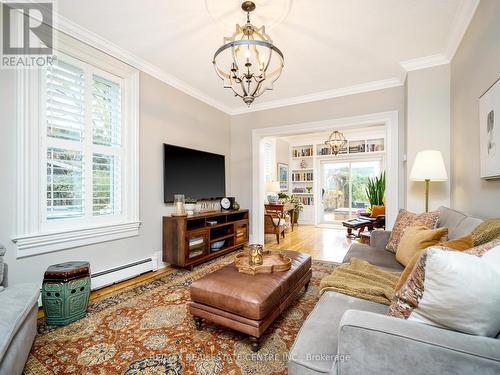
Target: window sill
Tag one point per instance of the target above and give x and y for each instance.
(43, 243)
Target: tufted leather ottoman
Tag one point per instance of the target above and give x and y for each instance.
(248, 303)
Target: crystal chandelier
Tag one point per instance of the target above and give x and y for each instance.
(336, 141)
(248, 62)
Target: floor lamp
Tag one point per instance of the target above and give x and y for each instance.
(428, 166)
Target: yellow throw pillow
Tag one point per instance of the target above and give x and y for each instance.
(459, 244)
(416, 239)
(377, 210)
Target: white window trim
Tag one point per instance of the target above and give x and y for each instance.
(32, 237)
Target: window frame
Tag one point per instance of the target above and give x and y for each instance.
(34, 234)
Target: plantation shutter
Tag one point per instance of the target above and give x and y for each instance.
(106, 131)
(65, 116)
(84, 130)
(268, 159)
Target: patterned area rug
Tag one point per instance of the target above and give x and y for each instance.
(147, 329)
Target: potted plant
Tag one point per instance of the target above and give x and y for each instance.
(298, 207)
(375, 190)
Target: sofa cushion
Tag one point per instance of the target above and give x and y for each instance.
(378, 257)
(407, 219)
(458, 223)
(459, 244)
(462, 292)
(16, 302)
(416, 239)
(408, 297)
(314, 353)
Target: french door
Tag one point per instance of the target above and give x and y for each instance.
(343, 185)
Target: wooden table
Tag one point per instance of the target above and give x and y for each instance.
(282, 207)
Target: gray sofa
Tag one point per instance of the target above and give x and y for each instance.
(18, 314)
(346, 335)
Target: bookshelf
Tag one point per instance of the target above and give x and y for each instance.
(307, 157)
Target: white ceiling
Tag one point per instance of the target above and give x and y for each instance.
(331, 47)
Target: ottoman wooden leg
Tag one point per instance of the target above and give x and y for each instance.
(255, 341)
(197, 322)
(307, 286)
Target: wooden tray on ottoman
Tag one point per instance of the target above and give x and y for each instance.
(274, 261)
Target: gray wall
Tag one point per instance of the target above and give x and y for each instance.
(475, 67)
(353, 105)
(166, 116)
(428, 128)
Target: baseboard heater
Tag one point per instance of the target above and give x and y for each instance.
(115, 275)
(124, 272)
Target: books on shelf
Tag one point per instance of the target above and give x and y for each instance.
(302, 152)
(195, 241)
(302, 176)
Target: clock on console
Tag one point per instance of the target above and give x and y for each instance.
(226, 203)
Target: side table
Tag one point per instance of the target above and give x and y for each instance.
(66, 292)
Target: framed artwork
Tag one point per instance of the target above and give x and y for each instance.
(283, 176)
(489, 133)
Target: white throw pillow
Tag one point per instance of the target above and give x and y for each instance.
(461, 292)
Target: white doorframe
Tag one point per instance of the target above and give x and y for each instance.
(388, 119)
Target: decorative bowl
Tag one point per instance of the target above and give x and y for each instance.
(217, 245)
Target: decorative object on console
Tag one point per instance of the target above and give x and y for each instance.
(179, 209)
(273, 187)
(248, 62)
(236, 206)
(227, 203)
(66, 292)
(428, 166)
(283, 176)
(336, 141)
(489, 133)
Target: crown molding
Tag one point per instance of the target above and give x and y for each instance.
(322, 95)
(71, 28)
(424, 62)
(460, 25)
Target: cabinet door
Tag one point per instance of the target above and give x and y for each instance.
(197, 244)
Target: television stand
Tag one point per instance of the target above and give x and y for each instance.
(195, 239)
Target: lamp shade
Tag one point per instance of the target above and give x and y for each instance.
(273, 187)
(429, 165)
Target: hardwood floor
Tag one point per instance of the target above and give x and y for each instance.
(322, 243)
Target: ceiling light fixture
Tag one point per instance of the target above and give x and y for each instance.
(248, 62)
(336, 141)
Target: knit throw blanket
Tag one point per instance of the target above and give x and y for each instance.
(362, 280)
(487, 231)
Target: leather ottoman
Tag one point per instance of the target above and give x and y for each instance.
(248, 303)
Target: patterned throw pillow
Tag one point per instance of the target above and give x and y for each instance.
(407, 219)
(408, 297)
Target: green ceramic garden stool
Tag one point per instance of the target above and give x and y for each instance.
(65, 292)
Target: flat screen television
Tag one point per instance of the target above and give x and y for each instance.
(196, 174)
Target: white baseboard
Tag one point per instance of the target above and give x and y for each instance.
(123, 272)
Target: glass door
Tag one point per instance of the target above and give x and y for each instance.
(343, 187)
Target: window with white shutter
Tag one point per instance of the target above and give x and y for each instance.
(84, 127)
(269, 150)
(78, 147)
